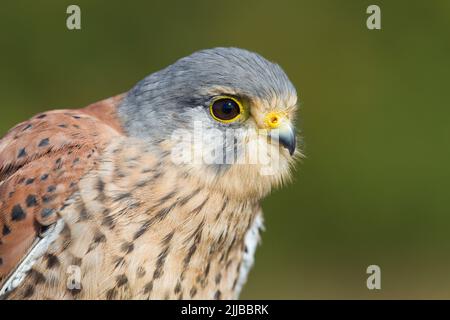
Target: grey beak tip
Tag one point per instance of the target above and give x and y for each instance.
(291, 150)
(288, 141)
(286, 137)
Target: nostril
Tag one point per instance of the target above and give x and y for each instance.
(274, 120)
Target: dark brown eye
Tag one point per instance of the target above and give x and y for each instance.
(226, 109)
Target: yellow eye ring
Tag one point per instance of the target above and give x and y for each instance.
(226, 109)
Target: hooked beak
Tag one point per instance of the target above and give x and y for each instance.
(285, 135)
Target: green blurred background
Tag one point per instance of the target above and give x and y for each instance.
(375, 116)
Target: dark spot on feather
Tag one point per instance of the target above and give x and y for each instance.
(119, 261)
(27, 127)
(167, 238)
(43, 229)
(29, 291)
(62, 126)
(76, 261)
(111, 294)
(44, 177)
(197, 237)
(37, 276)
(42, 116)
(164, 212)
(160, 263)
(44, 142)
(6, 230)
(148, 287)
(120, 174)
(121, 280)
(84, 215)
(99, 237)
(65, 205)
(234, 283)
(51, 188)
(184, 200)
(157, 175)
(229, 262)
(100, 185)
(58, 163)
(218, 278)
(52, 261)
(127, 247)
(193, 292)
(31, 201)
(122, 196)
(200, 207)
(108, 221)
(143, 183)
(22, 153)
(222, 209)
(217, 295)
(178, 287)
(158, 217)
(140, 272)
(167, 197)
(17, 213)
(47, 198)
(147, 170)
(66, 235)
(164, 154)
(142, 230)
(46, 212)
(29, 181)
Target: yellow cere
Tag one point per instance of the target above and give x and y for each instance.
(273, 119)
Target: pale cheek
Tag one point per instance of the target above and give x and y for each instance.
(263, 153)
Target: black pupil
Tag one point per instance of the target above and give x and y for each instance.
(225, 109)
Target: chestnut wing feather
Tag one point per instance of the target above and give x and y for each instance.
(41, 162)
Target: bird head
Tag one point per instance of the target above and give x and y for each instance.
(227, 112)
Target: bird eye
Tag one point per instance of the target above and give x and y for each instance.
(226, 109)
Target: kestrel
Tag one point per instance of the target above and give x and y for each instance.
(95, 204)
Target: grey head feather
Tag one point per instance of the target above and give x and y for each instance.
(179, 94)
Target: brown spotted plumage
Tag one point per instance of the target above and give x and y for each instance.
(121, 219)
(41, 163)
